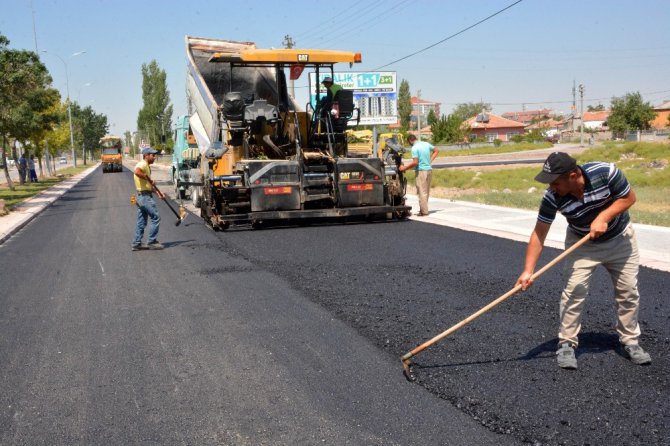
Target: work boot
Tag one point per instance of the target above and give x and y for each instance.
(155, 245)
(566, 356)
(637, 355)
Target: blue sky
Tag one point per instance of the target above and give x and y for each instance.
(529, 54)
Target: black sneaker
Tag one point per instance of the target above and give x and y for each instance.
(155, 245)
(136, 247)
(566, 356)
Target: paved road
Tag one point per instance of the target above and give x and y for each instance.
(195, 344)
(292, 336)
(399, 284)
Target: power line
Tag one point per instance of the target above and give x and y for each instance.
(329, 20)
(449, 37)
(356, 25)
(325, 31)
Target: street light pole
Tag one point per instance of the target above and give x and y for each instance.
(581, 115)
(69, 108)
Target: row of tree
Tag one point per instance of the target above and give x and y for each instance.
(627, 113)
(33, 115)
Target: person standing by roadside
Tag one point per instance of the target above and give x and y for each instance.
(23, 168)
(146, 205)
(31, 169)
(423, 154)
(594, 198)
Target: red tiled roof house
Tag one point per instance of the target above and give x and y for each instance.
(662, 113)
(491, 127)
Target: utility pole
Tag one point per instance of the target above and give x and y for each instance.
(289, 43)
(418, 115)
(32, 10)
(581, 115)
(574, 103)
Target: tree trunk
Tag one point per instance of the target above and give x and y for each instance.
(4, 163)
(22, 175)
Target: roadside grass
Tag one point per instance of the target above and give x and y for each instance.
(27, 190)
(646, 165)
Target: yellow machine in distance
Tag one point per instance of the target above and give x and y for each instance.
(360, 142)
(111, 153)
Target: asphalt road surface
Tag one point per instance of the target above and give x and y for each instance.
(291, 335)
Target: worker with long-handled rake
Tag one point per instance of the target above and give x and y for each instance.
(595, 199)
(146, 205)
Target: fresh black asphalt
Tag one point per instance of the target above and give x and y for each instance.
(190, 345)
(291, 335)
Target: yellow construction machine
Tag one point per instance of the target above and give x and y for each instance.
(262, 156)
(111, 157)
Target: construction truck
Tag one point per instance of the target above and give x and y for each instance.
(360, 142)
(264, 158)
(111, 147)
(186, 163)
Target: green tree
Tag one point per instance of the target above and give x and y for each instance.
(467, 110)
(431, 118)
(448, 129)
(25, 97)
(41, 122)
(89, 128)
(128, 141)
(592, 108)
(155, 118)
(404, 105)
(57, 139)
(630, 113)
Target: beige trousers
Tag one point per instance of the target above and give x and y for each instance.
(621, 258)
(423, 178)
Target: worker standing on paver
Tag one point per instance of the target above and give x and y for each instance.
(594, 198)
(146, 205)
(332, 89)
(423, 154)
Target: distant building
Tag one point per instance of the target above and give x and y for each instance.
(421, 108)
(529, 116)
(426, 133)
(595, 120)
(491, 127)
(662, 113)
(550, 127)
(380, 105)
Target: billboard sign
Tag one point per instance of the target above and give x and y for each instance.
(375, 94)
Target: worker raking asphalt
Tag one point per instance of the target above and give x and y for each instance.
(399, 283)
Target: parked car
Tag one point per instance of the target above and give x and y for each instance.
(62, 160)
(552, 139)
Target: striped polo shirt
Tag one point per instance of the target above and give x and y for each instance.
(603, 183)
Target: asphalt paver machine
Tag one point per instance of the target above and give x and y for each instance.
(263, 158)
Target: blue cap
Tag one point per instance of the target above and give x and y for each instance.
(148, 151)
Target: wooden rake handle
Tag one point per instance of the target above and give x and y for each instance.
(483, 310)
